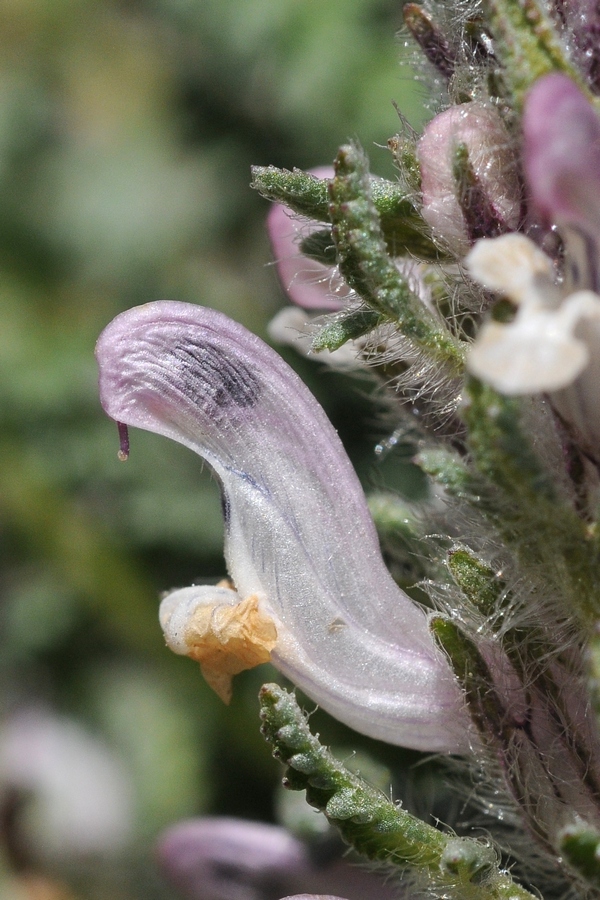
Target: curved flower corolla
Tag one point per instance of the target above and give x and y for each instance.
(300, 545)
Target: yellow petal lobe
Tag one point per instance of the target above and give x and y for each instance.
(225, 640)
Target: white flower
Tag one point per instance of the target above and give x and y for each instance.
(553, 343)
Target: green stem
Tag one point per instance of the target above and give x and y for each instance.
(528, 46)
(542, 527)
(460, 868)
(404, 231)
(505, 731)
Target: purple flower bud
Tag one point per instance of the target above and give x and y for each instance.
(79, 799)
(492, 160)
(561, 134)
(300, 546)
(229, 859)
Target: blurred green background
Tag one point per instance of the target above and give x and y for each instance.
(127, 131)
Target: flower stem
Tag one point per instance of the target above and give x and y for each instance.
(404, 230)
(528, 45)
(372, 824)
(542, 526)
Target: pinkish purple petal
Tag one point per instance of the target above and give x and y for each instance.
(307, 282)
(298, 532)
(481, 129)
(561, 133)
(230, 859)
(312, 897)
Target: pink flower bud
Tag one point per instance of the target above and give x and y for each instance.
(561, 134)
(482, 131)
(234, 859)
(229, 859)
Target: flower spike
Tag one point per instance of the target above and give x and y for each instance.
(299, 538)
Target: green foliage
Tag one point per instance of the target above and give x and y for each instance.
(372, 824)
(126, 137)
(581, 846)
(532, 516)
(404, 231)
(346, 327)
(527, 45)
(367, 268)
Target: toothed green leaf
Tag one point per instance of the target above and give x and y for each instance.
(372, 824)
(447, 469)
(485, 706)
(477, 581)
(346, 327)
(367, 268)
(404, 231)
